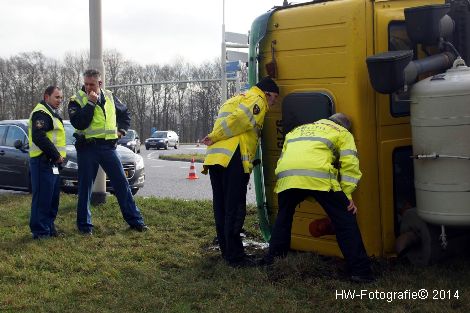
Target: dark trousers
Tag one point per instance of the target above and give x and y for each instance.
(45, 200)
(229, 201)
(335, 204)
(89, 157)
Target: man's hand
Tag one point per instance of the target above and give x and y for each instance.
(120, 134)
(352, 207)
(59, 160)
(207, 141)
(93, 96)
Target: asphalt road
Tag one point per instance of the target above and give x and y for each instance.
(169, 178)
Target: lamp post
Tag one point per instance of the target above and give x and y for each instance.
(98, 195)
(222, 59)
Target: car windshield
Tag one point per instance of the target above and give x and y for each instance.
(159, 135)
(129, 135)
(69, 130)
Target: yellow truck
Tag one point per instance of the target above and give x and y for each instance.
(317, 52)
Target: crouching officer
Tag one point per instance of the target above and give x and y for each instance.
(320, 160)
(47, 151)
(99, 118)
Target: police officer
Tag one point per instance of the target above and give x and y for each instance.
(307, 168)
(47, 151)
(231, 149)
(99, 119)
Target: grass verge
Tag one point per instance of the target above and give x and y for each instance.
(175, 268)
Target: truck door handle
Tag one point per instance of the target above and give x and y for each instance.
(2, 152)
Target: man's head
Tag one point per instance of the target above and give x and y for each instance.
(92, 80)
(341, 119)
(270, 89)
(53, 96)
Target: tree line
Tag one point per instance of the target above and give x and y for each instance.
(188, 109)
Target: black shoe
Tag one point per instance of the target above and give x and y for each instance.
(139, 227)
(243, 263)
(267, 260)
(40, 237)
(362, 279)
(88, 232)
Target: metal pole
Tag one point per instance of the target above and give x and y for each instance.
(98, 195)
(223, 59)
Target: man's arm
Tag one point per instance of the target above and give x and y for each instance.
(81, 118)
(349, 164)
(246, 117)
(123, 116)
(40, 124)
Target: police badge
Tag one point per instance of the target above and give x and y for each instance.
(39, 124)
(256, 109)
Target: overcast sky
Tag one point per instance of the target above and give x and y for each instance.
(144, 31)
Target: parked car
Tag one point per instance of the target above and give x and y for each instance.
(162, 139)
(14, 160)
(131, 140)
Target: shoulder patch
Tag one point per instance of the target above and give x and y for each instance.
(39, 124)
(256, 109)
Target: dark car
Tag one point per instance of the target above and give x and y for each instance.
(14, 160)
(162, 139)
(131, 140)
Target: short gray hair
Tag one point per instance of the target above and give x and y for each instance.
(341, 119)
(91, 72)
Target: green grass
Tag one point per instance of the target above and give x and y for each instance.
(173, 268)
(183, 157)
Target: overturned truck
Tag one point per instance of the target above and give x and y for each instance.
(398, 69)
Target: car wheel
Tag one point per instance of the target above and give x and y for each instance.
(166, 146)
(176, 145)
(134, 191)
(147, 148)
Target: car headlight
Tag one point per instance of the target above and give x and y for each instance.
(71, 164)
(139, 162)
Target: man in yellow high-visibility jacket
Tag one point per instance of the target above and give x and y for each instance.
(320, 160)
(231, 149)
(46, 137)
(100, 118)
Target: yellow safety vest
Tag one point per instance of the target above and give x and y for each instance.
(238, 123)
(308, 157)
(101, 126)
(56, 135)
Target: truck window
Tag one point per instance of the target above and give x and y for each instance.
(403, 183)
(305, 107)
(398, 40)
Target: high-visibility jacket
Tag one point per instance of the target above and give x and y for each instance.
(309, 155)
(102, 125)
(56, 135)
(238, 123)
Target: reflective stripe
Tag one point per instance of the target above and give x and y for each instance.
(349, 179)
(348, 152)
(219, 150)
(100, 131)
(61, 149)
(327, 142)
(248, 114)
(310, 173)
(223, 114)
(245, 158)
(227, 130)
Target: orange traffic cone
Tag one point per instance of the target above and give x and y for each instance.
(192, 172)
